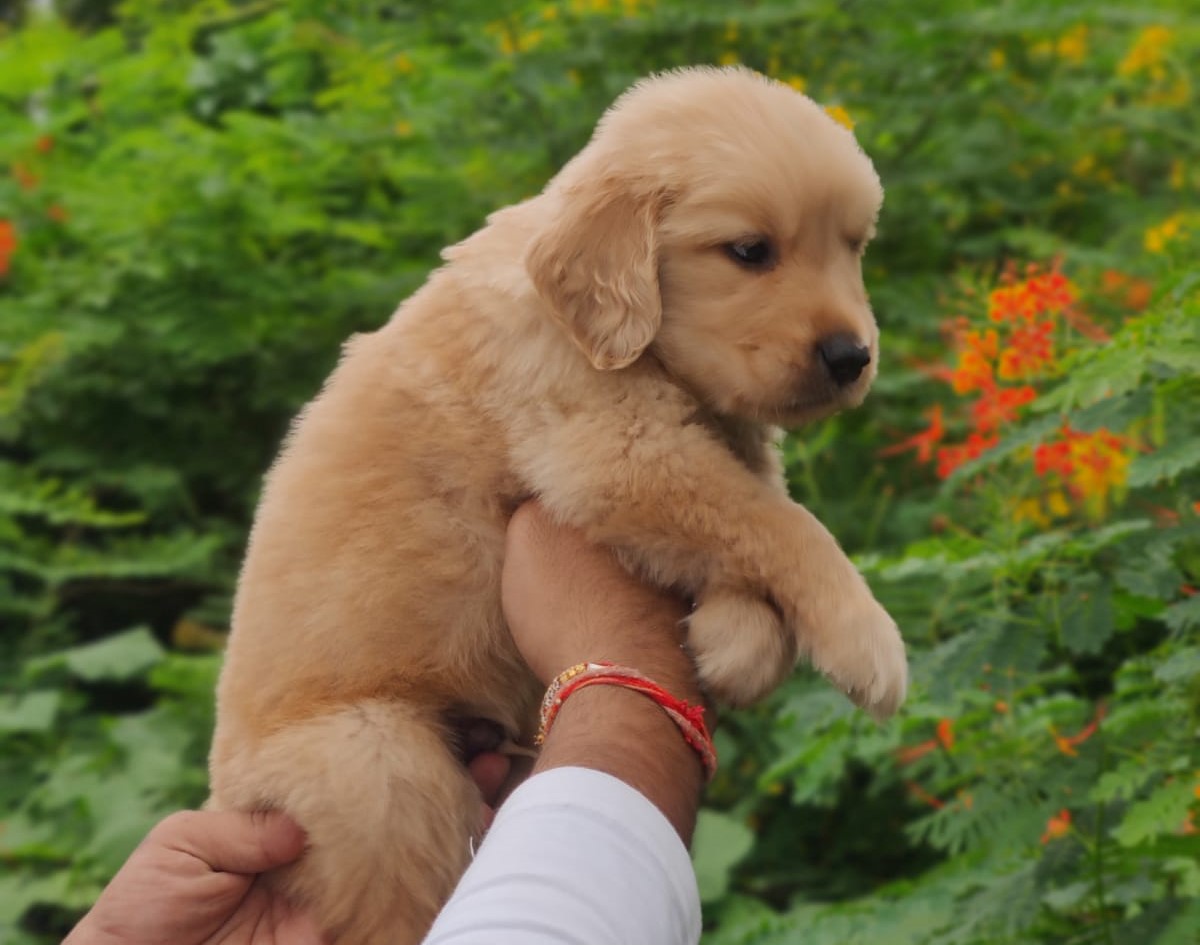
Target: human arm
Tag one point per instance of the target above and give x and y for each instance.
(590, 849)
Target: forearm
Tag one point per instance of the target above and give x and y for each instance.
(625, 734)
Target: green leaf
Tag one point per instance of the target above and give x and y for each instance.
(1165, 463)
(1180, 666)
(718, 845)
(1088, 619)
(118, 658)
(1163, 812)
(1184, 615)
(31, 712)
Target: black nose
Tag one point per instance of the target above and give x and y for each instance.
(844, 357)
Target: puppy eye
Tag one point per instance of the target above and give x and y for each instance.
(751, 253)
(856, 243)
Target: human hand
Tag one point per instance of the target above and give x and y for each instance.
(194, 881)
(567, 601)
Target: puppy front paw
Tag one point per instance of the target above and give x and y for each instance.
(861, 652)
(741, 648)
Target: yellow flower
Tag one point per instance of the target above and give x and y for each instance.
(1146, 55)
(1176, 94)
(403, 128)
(1072, 45)
(550, 13)
(1178, 177)
(1084, 166)
(1099, 466)
(1030, 510)
(728, 58)
(798, 82)
(1057, 504)
(731, 31)
(404, 64)
(996, 59)
(840, 115)
(1156, 238)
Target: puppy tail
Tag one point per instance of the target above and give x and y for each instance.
(391, 816)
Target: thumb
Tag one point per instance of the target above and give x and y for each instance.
(236, 841)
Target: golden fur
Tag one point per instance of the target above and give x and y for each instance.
(598, 347)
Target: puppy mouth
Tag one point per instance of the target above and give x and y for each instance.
(814, 405)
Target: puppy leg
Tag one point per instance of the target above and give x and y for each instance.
(741, 648)
(390, 816)
(678, 502)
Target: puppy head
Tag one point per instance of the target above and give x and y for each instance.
(718, 219)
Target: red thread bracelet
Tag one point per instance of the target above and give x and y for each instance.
(688, 718)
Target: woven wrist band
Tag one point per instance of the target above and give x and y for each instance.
(688, 718)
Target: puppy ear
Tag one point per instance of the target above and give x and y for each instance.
(595, 265)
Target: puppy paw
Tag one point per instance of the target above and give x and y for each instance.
(861, 652)
(740, 646)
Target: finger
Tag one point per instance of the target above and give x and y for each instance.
(489, 772)
(234, 841)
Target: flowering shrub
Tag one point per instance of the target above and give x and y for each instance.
(1031, 324)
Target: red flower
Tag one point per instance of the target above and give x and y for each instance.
(44, 144)
(1053, 457)
(922, 442)
(1066, 743)
(924, 796)
(951, 457)
(945, 733)
(8, 244)
(999, 406)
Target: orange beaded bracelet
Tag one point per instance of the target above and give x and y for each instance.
(688, 718)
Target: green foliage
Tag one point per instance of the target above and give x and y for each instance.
(200, 200)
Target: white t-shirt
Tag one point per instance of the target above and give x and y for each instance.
(575, 857)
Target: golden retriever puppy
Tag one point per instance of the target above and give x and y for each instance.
(624, 346)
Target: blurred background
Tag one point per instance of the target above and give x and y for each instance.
(200, 200)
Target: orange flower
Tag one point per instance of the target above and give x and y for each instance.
(974, 372)
(1009, 303)
(922, 442)
(1052, 291)
(949, 458)
(945, 733)
(44, 144)
(924, 796)
(1057, 826)
(998, 407)
(1131, 291)
(1040, 294)
(1030, 349)
(911, 753)
(57, 213)
(8, 244)
(1066, 743)
(1001, 706)
(1053, 457)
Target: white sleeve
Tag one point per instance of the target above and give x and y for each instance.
(575, 857)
